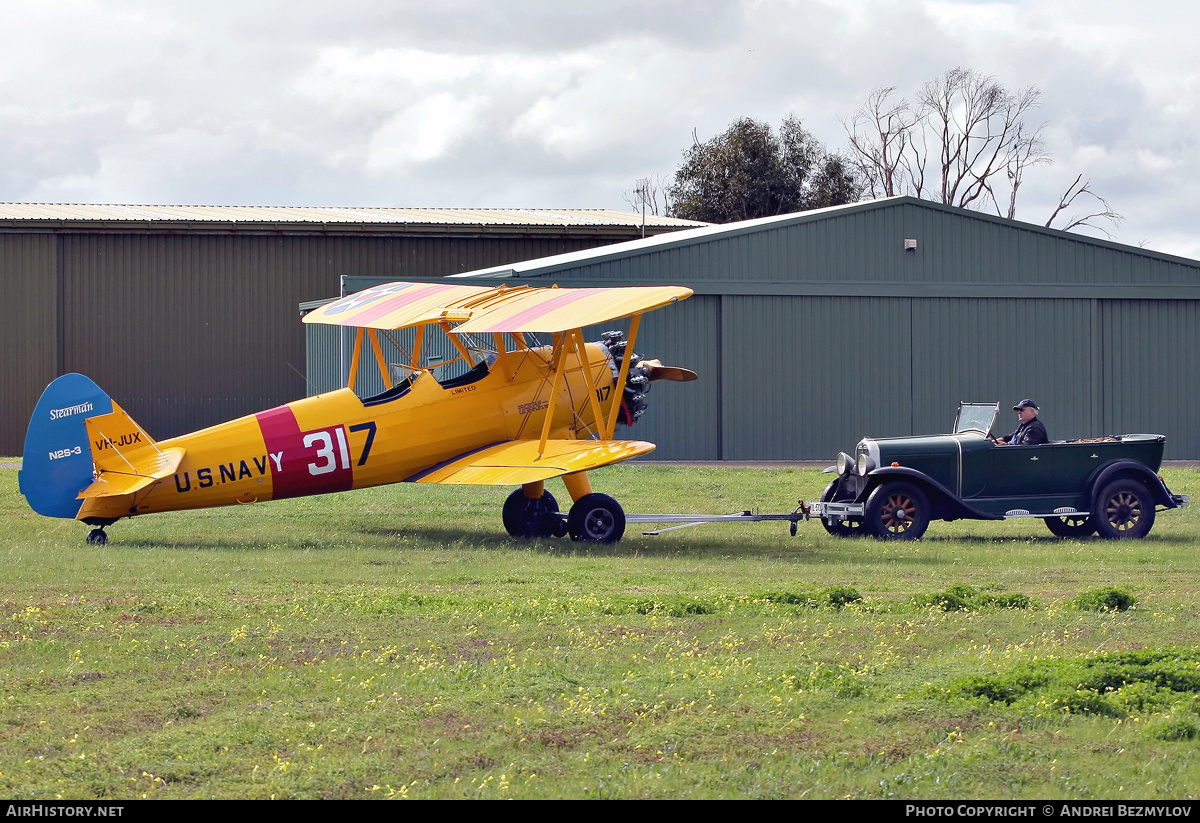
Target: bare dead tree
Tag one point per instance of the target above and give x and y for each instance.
(881, 149)
(981, 136)
(1080, 188)
(964, 141)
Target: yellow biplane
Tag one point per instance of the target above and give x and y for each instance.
(509, 410)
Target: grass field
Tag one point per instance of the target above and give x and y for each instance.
(395, 643)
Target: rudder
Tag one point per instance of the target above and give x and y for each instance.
(57, 463)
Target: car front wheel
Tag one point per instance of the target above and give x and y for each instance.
(897, 511)
(1123, 509)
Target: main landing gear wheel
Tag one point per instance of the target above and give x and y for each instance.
(1071, 526)
(1123, 509)
(596, 518)
(842, 528)
(897, 511)
(532, 517)
(97, 537)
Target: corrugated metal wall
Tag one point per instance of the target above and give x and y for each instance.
(813, 330)
(189, 330)
(28, 331)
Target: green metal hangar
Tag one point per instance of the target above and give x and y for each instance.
(186, 315)
(812, 330)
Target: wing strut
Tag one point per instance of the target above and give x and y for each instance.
(466, 355)
(358, 338)
(565, 343)
(615, 409)
(588, 382)
(556, 362)
(383, 369)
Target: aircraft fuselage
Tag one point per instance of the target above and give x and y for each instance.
(336, 442)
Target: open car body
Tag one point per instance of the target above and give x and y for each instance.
(506, 409)
(893, 487)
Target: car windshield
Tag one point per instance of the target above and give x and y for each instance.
(976, 417)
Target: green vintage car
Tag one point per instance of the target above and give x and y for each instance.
(893, 487)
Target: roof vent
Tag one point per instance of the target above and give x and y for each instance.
(910, 244)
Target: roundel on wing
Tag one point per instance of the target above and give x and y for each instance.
(362, 298)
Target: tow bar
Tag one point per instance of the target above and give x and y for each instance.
(686, 520)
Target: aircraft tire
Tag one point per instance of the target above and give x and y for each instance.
(596, 518)
(529, 518)
(97, 537)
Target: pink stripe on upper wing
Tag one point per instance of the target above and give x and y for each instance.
(524, 320)
(405, 298)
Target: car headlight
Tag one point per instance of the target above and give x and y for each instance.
(864, 466)
(845, 464)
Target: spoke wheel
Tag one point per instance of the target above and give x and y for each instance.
(1123, 509)
(897, 511)
(596, 518)
(1071, 526)
(842, 528)
(531, 517)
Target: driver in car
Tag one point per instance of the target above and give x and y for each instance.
(1030, 431)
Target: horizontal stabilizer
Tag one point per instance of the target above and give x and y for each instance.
(517, 462)
(146, 471)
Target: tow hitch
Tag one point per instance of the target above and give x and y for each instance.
(683, 521)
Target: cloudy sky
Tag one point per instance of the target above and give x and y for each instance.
(560, 103)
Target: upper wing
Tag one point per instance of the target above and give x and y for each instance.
(517, 462)
(555, 310)
(398, 305)
(492, 308)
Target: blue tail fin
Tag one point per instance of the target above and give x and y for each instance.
(57, 464)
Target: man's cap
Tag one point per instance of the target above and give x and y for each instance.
(1026, 404)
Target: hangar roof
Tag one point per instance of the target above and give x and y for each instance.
(88, 217)
(929, 247)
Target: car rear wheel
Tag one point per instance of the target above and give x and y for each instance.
(897, 511)
(842, 528)
(1123, 509)
(1071, 526)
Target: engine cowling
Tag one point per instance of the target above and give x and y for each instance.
(641, 374)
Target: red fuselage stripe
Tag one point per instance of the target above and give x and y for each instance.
(303, 463)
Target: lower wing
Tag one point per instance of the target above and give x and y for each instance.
(517, 462)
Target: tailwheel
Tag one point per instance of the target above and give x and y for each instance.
(596, 518)
(530, 517)
(97, 537)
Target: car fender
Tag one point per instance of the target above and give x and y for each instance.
(1136, 471)
(946, 504)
